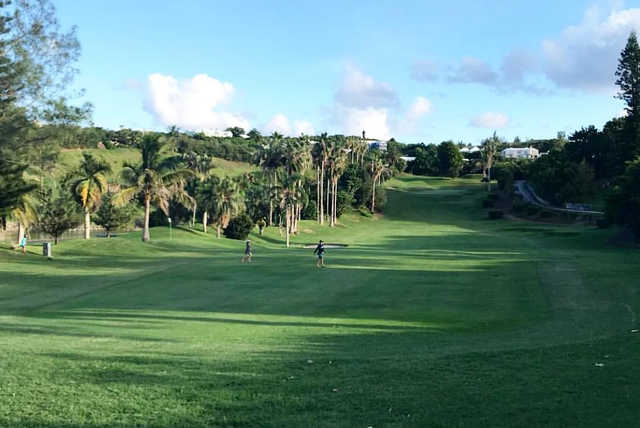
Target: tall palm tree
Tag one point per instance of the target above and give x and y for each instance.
(155, 179)
(202, 167)
(321, 154)
(227, 204)
(207, 194)
(490, 148)
(378, 171)
(88, 183)
(271, 159)
(289, 198)
(25, 213)
(339, 158)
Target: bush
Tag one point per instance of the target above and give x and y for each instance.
(345, 199)
(239, 227)
(364, 211)
(310, 211)
(495, 214)
(533, 210)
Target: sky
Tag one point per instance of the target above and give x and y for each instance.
(418, 71)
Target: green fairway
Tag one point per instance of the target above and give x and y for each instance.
(432, 316)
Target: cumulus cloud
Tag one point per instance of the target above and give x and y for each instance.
(282, 125)
(420, 107)
(360, 90)
(191, 103)
(584, 56)
(303, 127)
(473, 70)
(424, 71)
(375, 121)
(490, 120)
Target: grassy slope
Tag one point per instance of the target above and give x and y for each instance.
(117, 157)
(432, 316)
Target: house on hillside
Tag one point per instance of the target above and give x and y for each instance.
(520, 153)
(379, 145)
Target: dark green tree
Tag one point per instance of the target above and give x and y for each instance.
(58, 214)
(112, 217)
(628, 77)
(449, 159)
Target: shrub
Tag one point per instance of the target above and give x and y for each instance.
(239, 227)
(345, 199)
(309, 211)
(533, 210)
(495, 214)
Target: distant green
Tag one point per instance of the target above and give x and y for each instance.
(432, 316)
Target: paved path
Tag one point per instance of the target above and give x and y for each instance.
(529, 195)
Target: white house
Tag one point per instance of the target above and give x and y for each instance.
(379, 144)
(520, 153)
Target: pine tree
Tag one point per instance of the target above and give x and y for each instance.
(628, 77)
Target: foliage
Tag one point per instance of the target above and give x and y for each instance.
(426, 161)
(623, 200)
(496, 214)
(449, 159)
(58, 214)
(239, 227)
(628, 77)
(112, 217)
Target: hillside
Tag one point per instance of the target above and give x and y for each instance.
(432, 316)
(118, 156)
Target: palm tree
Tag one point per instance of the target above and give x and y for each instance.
(490, 148)
(202, 166)
(378, 171)
(88, 183)
(321, 155)
(207, 194)
(289, 197)
(227, 204)
(155, 180)
(25, 213)
(271, 158)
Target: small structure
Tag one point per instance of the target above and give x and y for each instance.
(378, 145)
(520, 153)
(470, 150)
(408, 158)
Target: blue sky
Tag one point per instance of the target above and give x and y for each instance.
(416, 71)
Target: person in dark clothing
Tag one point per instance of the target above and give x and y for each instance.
(320, 252)
(247, 252)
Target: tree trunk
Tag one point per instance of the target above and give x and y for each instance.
(335, 201)
(205, 214)
(489, 179)
(87, 225)
(288, 224)
(322, 193)
(318, 193)
(108, 231)
(373, 197)
(21, 232)
(55, 240)
(328, 200)
(218, 232)
(147, 209)
(193, 218)
(270, 213)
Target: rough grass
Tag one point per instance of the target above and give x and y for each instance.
(70, 158)
(433, 316)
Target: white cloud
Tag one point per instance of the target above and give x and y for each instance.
(375, 121)
(278, 123)
(282, 125)
(424, 71)
(584, 56)
(473, 70)
(420, 107)
(303, 127)
(191, 103)
(490, 120)
(360, 90)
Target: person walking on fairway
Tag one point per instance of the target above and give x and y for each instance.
(320, 252)
(247, 252)
(23, 244)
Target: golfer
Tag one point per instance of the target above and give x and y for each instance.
(320, 252)
(23, 244)
(247, 252)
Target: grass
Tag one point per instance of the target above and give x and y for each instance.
(433, 316)
(70, 158)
